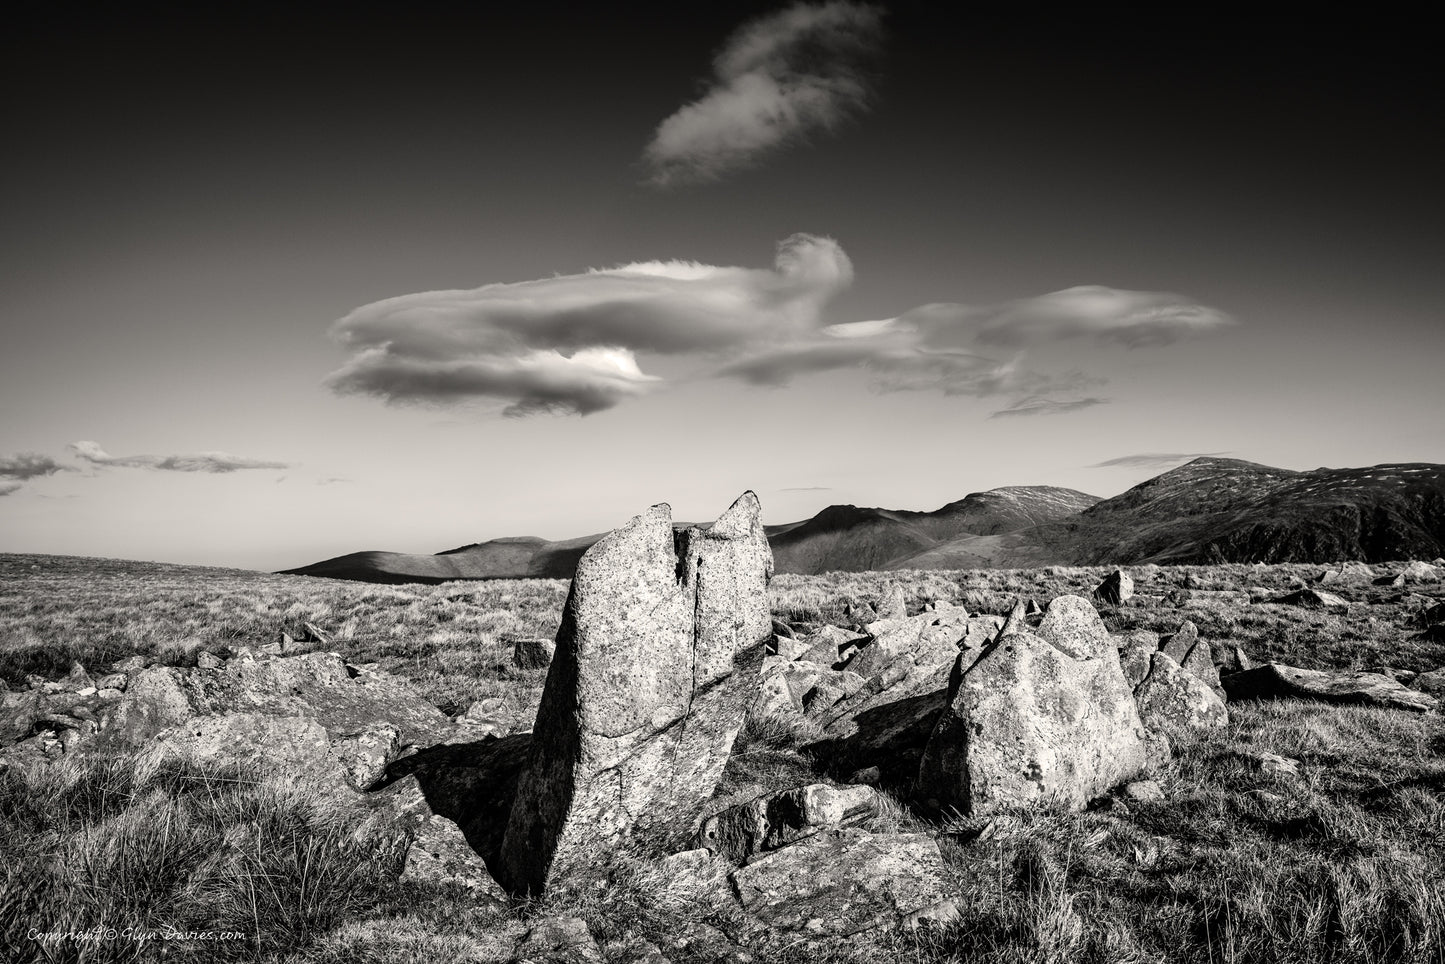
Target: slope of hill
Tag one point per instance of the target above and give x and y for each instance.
(1207, 511)
(1225, 510)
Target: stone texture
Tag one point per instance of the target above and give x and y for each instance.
(892, 604)
(1178, 644)
(923, 641)
(1432, 682)
(1278, 681)
(848, 883)
(1313, 599)
(558, 940)
(1171, 698)
(532, 653)
(782, 818)
(1117, 587)
(1073, 626)
(656, 662)
(18, 713)
(1135, 650)
(1029, 723)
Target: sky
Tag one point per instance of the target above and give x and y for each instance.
(283, 282)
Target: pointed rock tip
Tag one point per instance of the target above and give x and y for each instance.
(741, 518)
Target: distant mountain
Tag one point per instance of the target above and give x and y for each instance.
(1208, 511)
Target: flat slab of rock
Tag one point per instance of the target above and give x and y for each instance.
(1313, 599)
(1278, 681)
(656, 663)
(848, 883)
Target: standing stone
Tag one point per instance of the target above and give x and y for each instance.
(892, 604)
(1073, 626)
(655, 665)
(1116, 587)
(1028, 722)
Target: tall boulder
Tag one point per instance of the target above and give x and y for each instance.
(656, 663)
(1035, 719)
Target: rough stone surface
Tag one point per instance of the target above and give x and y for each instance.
(656, 663)
(1178, 644)
(1135, 651)
(1144, 791)
(1171, 698)
(1073, 626)
(1313, 599)
(1432, 682)
(1278, 681)
(847, 883)
(1115, 589)
(558, 940)
(893, 604)
(782, 818)
(924, 641)
(18, 713)
(1028, 723)
(532, 653)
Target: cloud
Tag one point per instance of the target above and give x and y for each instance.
(781, 78)
(1041, 405)
(575, 344)
(1134, 319)
(214, 462)
(1152, 459)
(29, 465)
(8, 487)
(568, 344)
(808, 488)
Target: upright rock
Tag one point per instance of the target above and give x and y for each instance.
(655, 665)
(1116, 587)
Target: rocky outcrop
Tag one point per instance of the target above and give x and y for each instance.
(656, 662)
(1278, 681)
(1035, 719)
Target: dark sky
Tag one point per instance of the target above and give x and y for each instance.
(192, 197)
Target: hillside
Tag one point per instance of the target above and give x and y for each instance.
(1210, 510)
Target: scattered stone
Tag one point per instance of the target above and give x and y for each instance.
(111, 681)
(1420, 572)
(1278, 681)
(1272, 763)
(205, 660)
(847, 883)
(1232, 659)
(779, 819)
(1313, 599)
(77, 680)
(1144, 791)
(656, 663)
(311, 633)
(1177, 645)
(830, 689)
(1171, 698)
(1117, 587)
(1027, 722)
(1178, 597)
(868, 777)
(18, 713)
(924, 642)
(825, 647)
(532, 653)
(783, 630)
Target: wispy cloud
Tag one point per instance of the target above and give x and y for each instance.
(808, 488)
(568, 344)
(6, 488)
(29, 465)
(215, 462)
(1041, 405)
(781, 78)
(1152, 459)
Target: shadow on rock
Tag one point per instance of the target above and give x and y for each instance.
(890, 737)
(471, 784)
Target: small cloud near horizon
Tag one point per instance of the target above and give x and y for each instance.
(1040, 405)
(1153, 459)
(801, 71)
(808, 488)
(211, 462)
(29, 465)
(7, 488)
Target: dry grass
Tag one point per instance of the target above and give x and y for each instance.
(1344, 863)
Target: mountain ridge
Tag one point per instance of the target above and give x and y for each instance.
(1206, 511)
